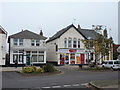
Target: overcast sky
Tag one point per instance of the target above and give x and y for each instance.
(53, 16)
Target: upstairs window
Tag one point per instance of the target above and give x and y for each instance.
(74, 43)
(78, 43)
(21, 42)
(69, 42)
(65, 43)
(32, 42)
(15, 42)
(37, 42)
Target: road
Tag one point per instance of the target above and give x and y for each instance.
(71, 78)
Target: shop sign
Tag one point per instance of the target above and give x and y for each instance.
(80, 51)
(63, 51)
(72, 51)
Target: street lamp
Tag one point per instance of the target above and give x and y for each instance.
(89, 52)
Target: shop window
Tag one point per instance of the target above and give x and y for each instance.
(78, 43)
(65, 43)
(34, 58)
(41, 58)
(72, 58)
(15, 42)
(15, 57)
(21, 42)
(69, 42)
(74, 43)
(20, 58)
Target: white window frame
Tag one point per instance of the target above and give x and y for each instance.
(69, 44)
(65, 42)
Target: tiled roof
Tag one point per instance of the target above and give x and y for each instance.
(27, 35)
(2, 30)
(84, 32)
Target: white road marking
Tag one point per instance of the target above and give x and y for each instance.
(84, 84)
(75, 85)
(56, 86)
(46, 87)
(67, 85)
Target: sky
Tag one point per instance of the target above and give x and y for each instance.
(54, 16)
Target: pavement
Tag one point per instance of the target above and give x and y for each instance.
(2, 69)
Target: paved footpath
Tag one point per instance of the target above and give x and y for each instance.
(2, 69)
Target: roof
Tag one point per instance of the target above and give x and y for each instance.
(27, 35)
(84, 32)
(2, 30)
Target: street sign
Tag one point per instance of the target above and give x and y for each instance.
(118, 49)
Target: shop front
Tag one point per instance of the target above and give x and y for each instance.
(71, 56)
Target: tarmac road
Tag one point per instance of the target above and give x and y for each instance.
(71, 78)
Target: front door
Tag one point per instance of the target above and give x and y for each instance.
(82, 58)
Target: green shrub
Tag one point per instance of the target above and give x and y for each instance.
(49, 68)
(40, 70)
(28, 70)
(34, 67)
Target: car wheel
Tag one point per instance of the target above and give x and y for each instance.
(112, 68)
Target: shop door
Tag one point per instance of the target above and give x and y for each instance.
(82, 58)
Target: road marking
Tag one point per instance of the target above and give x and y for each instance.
(46, 87)
(56, 86)
(67, 85)
(84, 84)
(75, 85)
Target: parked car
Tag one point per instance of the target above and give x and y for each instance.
(113, 64)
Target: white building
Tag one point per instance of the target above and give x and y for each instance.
(3, 36)
(27, 48)
(66, 46)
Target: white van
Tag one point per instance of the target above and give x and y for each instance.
(113, 64)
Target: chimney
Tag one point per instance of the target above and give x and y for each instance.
(79, 27)
(41, 33)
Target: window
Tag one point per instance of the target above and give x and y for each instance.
(74, 43)
(69, 42)
(65, 43)
(78, 43)
(37, 42)
(111, 62)
(15, 57)
(15, 42)
(41, 58)
(32, 42)
(20, 42)
(34, 57)
(20, 58)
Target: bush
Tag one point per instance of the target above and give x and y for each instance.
(49, 68)
(40, 70)
(34, 67)
(28, 69)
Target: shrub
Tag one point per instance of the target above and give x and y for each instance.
(28, 69)
(49, 68)
(34, 67)
(40, 70)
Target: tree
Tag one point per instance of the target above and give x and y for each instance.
(102, 44)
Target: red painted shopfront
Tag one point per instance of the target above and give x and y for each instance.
(71, 56)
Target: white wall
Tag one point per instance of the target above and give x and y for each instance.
(27, 47)
(2, 49)
(72, 33)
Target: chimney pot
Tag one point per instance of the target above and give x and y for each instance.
(79, 27)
